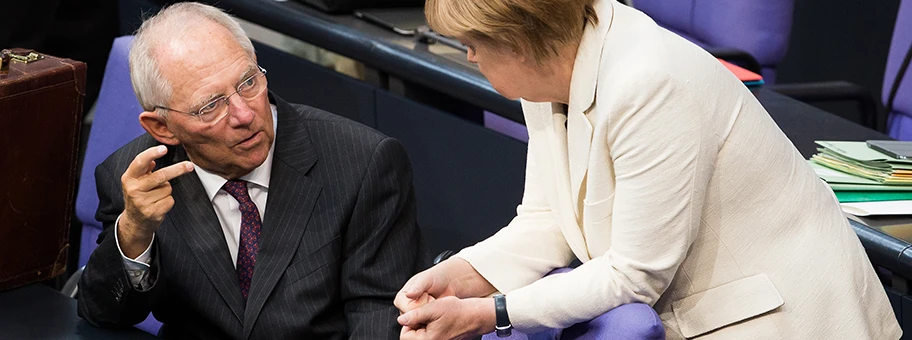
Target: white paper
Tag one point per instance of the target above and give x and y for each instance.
(878, 208)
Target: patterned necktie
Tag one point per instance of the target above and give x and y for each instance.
(250, 233)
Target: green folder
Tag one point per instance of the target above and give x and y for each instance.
(867, 187)
(872, 196)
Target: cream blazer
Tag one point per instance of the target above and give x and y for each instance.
(674, 187)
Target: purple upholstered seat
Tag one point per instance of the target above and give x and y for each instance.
(116, 123)
(899, 123)
(758, 27)
(634, 321)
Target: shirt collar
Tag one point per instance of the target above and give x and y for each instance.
(212, 183)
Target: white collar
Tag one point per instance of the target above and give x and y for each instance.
(212, 183)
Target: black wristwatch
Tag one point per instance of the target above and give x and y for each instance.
(503, 327)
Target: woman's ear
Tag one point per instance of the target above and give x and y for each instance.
(157, 126)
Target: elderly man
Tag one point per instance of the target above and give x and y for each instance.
(294, 223)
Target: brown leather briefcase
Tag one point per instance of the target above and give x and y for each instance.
(40, 116)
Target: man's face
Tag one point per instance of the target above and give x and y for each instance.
(204, 64)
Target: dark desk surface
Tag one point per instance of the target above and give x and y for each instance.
(445, 70)
(38, 312)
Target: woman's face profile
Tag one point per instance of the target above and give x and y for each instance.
(508, 71)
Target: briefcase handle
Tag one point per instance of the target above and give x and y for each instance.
(25, 57)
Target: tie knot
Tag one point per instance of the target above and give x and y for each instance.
(237, 189)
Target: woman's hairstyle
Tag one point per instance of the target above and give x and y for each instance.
(149, 84)
(536, 28)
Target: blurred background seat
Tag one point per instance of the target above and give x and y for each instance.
(761, 28)
(896, 94)
(897, 88)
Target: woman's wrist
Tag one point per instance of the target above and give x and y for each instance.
(466, 281)
(484, 314)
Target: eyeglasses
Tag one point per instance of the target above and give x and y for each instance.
(217, 109)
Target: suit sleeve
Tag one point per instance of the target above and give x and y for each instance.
(663, 157)
(107, 297)
(506, 259)
(383, 245)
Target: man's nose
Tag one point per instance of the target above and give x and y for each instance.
(239, 112)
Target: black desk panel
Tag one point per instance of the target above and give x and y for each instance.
(468, 179)
(803, 123)
(300, 81)
(38, 312)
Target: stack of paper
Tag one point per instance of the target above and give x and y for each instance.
(864, 180)
(858, 159)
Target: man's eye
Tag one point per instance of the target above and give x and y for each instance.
(209, 107)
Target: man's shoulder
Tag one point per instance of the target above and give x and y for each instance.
(327, 127)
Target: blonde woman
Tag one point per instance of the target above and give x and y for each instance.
(654, 166)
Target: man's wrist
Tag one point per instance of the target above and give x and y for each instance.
(132, 244)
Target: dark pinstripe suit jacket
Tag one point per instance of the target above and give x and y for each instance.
(339, 239)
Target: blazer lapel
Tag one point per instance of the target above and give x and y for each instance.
(579, 141)
(556, 171)
(291, 200)
(583, 84)
(195, 220)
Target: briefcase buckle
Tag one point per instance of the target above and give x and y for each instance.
(4, 61)
(7, 56)
(26, 58)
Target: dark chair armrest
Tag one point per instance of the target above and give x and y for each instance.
(835, 91)
(71, 288)
(736, 56)
(443, 256)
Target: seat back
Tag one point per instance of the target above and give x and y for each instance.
(115, 124)
(899, 123)
(759, 27)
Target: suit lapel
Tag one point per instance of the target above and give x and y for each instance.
(579, 142)
(291, 200)
(567, 209)
(195, 220)
(583, 84)
(570, 146)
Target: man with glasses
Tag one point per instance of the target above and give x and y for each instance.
(294, 224)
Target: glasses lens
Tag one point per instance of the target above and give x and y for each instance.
(248, 89)
(253, 86)
(213, 110)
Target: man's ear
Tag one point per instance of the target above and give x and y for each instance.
(157, 126)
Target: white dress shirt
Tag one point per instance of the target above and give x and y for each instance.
(226, 208)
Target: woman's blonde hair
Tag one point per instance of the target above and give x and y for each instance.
(533, 27)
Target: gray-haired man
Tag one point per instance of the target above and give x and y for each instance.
(295, 223)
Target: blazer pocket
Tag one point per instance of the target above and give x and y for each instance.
(315, 260)
(727, 304)
(598, 211)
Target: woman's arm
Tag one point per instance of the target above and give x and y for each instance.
(663, 156)
(530, 246)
